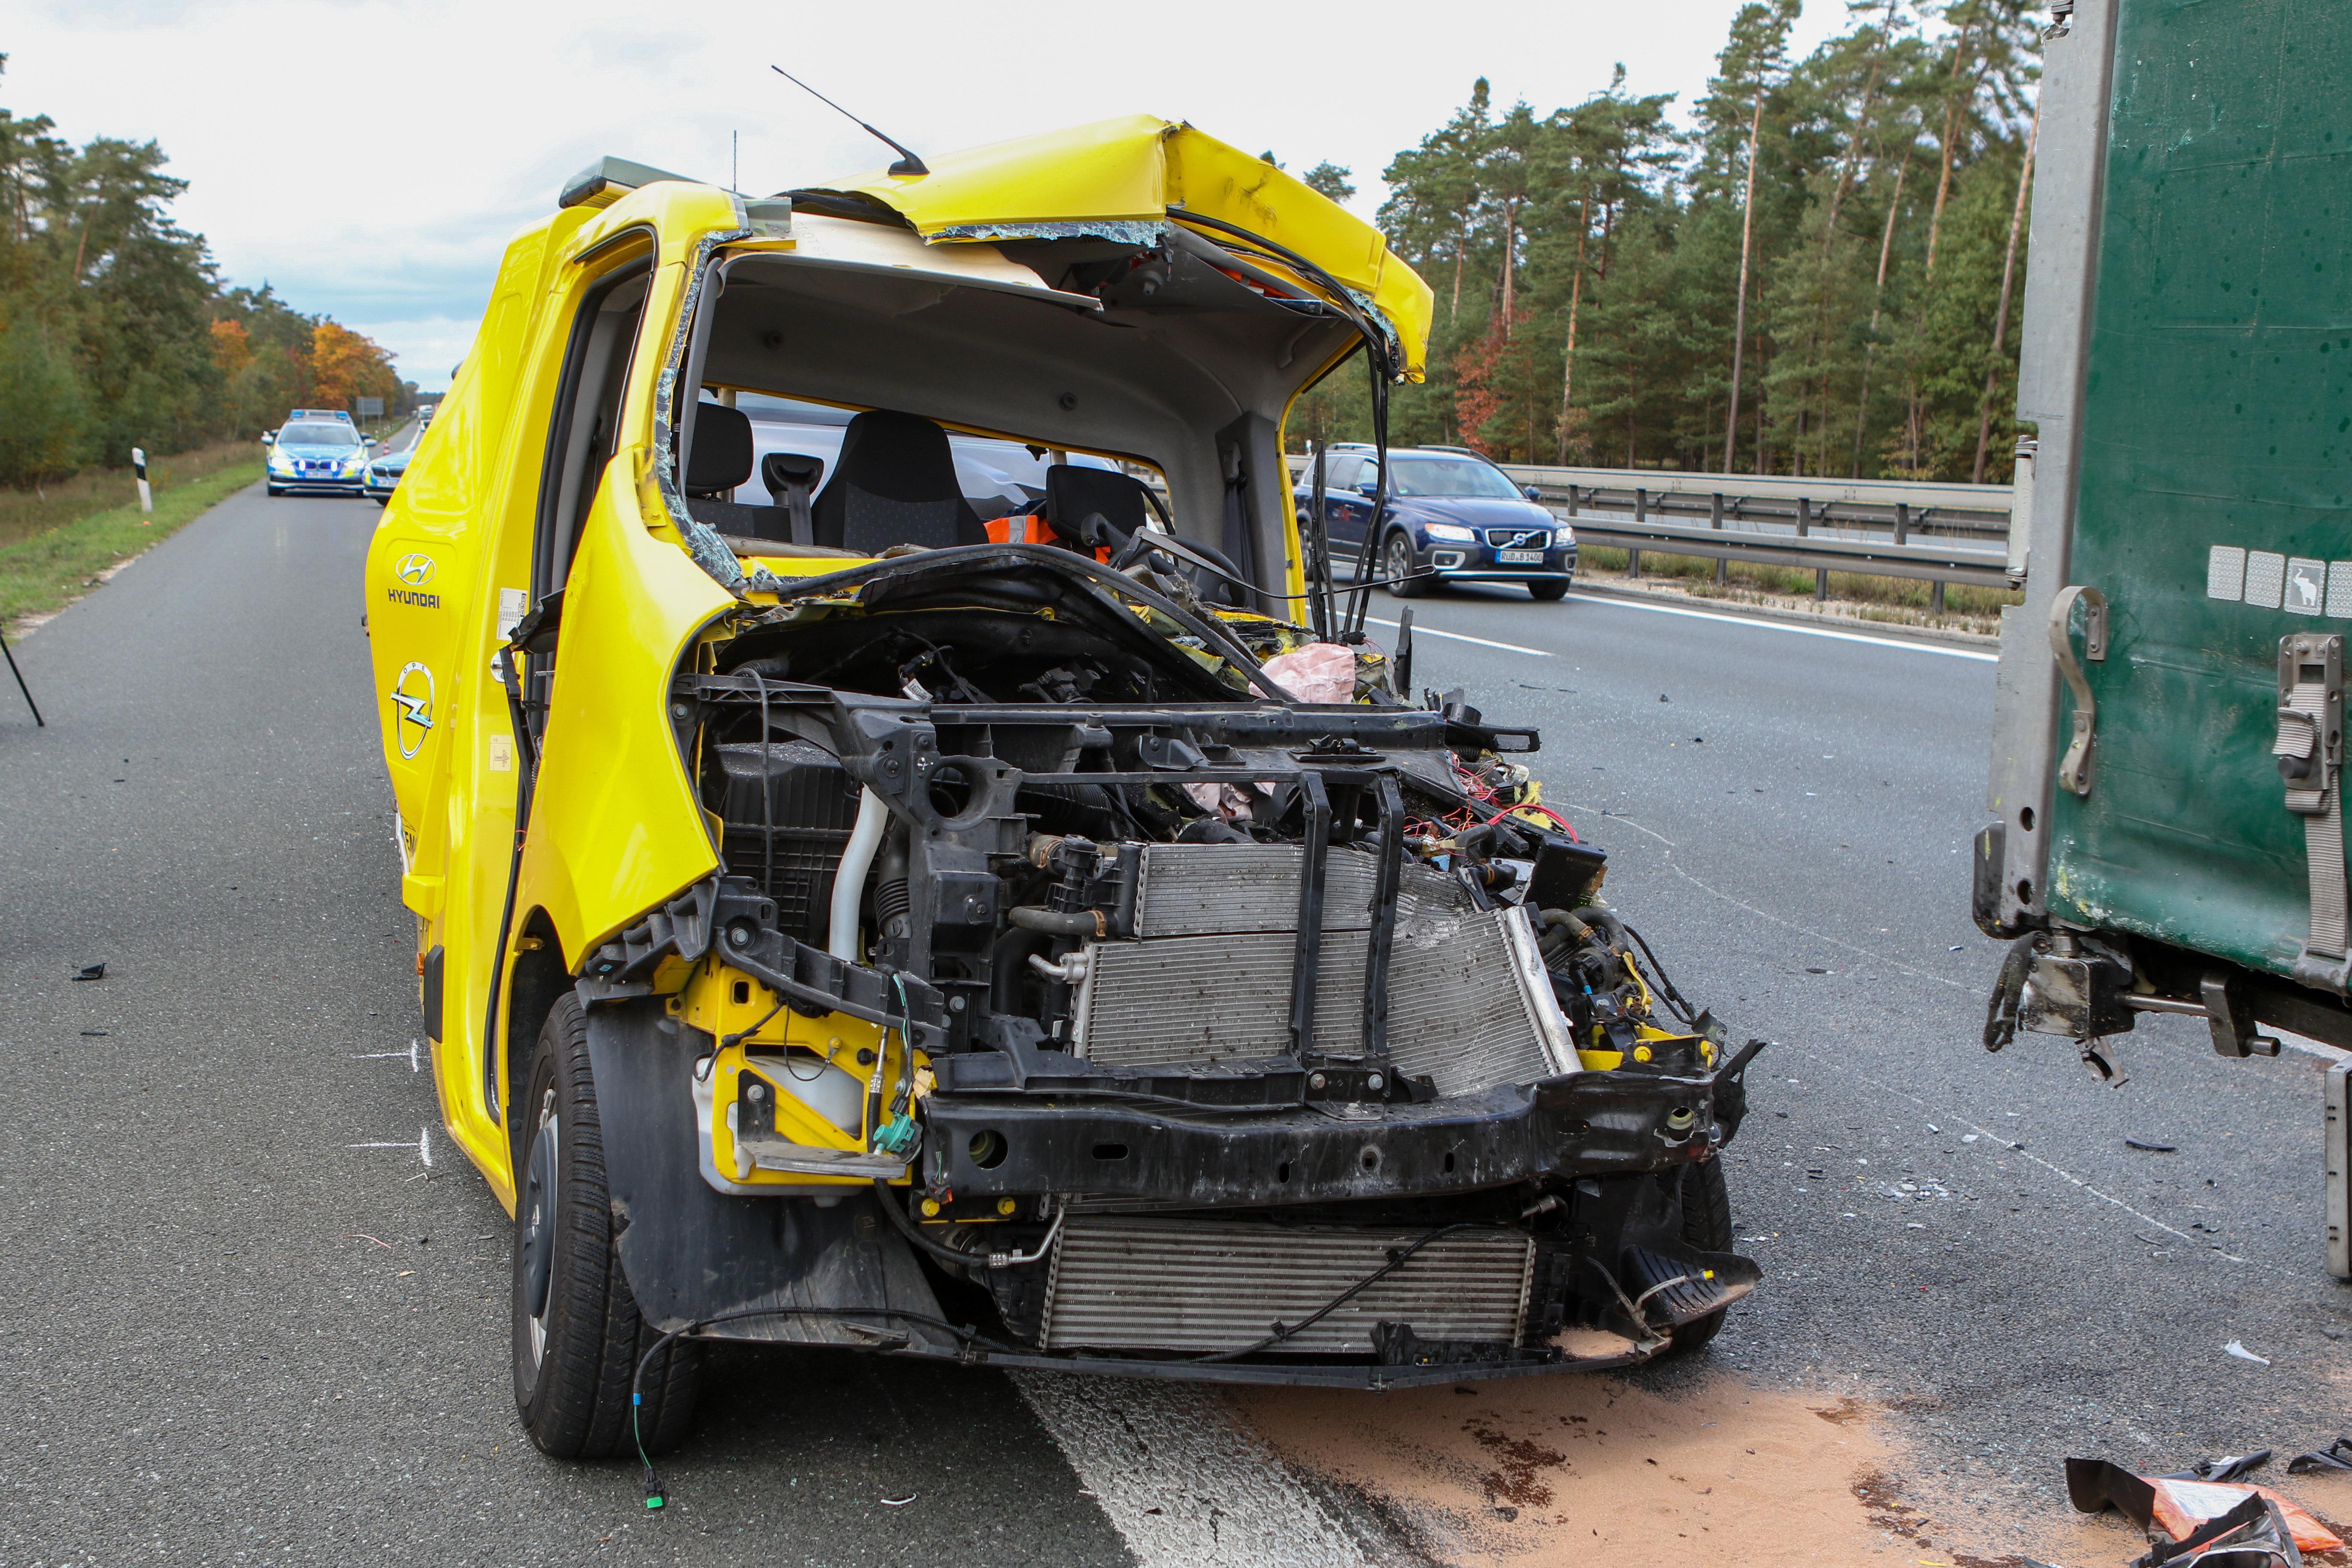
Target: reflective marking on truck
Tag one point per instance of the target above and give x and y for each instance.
(2225, 572)
(2270, 580)
(2265, 578)
(2306, 586)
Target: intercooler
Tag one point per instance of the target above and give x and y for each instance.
(1208, 1286)
(1469, 1005)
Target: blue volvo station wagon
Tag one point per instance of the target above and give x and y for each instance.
(1451, 517)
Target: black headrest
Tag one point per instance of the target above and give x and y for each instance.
(721, 455)
(1074, 494)
(895, 483)
(781, 470)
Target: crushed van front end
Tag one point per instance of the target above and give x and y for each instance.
(1087, 1002)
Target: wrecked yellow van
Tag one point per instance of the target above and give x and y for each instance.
(912, 851)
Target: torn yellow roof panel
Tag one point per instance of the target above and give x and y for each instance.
(1125, 177)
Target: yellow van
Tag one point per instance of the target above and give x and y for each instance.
(912, 851)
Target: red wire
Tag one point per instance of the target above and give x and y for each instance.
(1565, 827)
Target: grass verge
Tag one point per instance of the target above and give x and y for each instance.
(48, 572)
(1895, 601)
(36, 509)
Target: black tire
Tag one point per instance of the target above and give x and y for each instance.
(1397, 566)
(1548, 591)
(276, 490)
(575, 1356)
(1707, 1224)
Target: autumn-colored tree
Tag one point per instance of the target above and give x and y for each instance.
(1477, 399)
(232, 346)
(345, 366)
(115, 328)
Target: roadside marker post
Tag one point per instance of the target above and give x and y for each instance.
(146, 493)
(38, 722)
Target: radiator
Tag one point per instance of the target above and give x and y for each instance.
(1198, 890)
(1120, 1282)
(1468, 1000)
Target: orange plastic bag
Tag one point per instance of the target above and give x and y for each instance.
(2182, 1505)
(2178, 1506)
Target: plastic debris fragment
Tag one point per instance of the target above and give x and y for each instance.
(2255, 1531)
(2336, 1456)
(2181, 1505)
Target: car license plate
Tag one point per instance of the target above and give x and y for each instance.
(1520, 557)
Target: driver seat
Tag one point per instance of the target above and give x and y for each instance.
(895, 483)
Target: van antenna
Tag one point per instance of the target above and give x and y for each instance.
(908, 163)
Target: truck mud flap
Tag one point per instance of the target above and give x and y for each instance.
(692, 1253)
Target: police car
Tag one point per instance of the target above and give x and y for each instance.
(318, 451)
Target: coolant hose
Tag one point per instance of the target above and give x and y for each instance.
(849, 879)
(1058, 922)
(1567, 920)
(1561, 929)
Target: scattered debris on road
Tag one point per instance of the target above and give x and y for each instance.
(2152, 1146)
(2336, 1456)
(2183, 1505)
(2238, 1348)
(2256, 1530)
(90, 971)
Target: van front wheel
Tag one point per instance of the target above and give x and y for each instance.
(1707, 1224)
(578, 1335)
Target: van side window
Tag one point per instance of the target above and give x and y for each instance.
(581, 434)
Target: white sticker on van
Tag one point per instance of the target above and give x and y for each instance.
(513, 604)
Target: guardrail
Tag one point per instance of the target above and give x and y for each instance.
(1938, 533)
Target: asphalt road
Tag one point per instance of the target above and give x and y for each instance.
(240, 1331)
(1788, 816)
(250, 1325)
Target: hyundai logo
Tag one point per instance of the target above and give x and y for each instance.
(413, 570)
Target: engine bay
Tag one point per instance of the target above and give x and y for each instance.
(1050, 916)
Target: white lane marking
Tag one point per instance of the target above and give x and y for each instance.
(1784, 626)
(408, 1055)
(1421, 631)
(423, 1146)
(1182, 1481)
(2015, 1148)
(1751, 909)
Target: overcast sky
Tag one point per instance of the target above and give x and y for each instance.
(370, 159)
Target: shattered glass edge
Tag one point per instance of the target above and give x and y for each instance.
(1140, 232)
(702, 540)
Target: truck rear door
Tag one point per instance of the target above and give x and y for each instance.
(2213, 494)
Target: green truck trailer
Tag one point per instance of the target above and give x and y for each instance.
(2169, 746)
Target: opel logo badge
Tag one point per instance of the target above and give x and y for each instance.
(411, 695)
(415, 570)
